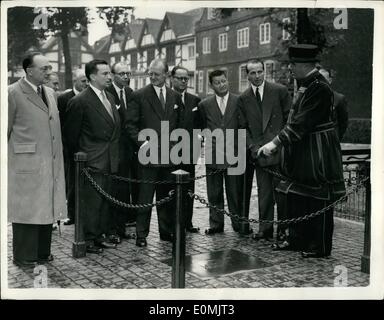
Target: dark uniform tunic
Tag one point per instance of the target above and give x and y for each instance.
(311, 159)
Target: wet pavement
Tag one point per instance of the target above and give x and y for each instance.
(224, 260)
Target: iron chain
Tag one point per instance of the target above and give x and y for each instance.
(100, 190)
(286, 221)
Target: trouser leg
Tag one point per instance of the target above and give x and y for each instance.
(215, 191)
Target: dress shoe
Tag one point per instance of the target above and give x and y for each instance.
(128, 235)
(69, 222)
(94, 249)
(24, 263)
(115, 239)
(260, 236)
(166, 237)
(211, 231)
(46, 259)
(141, 242)
(192, 229)
(311, 254)
(285, 246)
(105, 245)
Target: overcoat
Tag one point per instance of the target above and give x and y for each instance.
(36, 187)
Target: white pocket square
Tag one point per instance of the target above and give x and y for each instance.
(194, 109)
(117, 107)
(175, 107)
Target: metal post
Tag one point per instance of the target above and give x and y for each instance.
(178, 248)
(365, 258)
(79, 246)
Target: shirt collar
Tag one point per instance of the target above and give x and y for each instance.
(75, 91)
(218, 98)
(97, 91)
(117, 88)
(34, 87)
(261, 87)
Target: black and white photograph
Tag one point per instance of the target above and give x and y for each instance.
(192, 150)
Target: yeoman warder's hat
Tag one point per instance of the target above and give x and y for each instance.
(303, 53)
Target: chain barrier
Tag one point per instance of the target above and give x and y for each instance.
(286, 221)
(100, 190)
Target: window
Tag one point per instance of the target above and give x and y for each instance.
(223, 42)
(265, 33)
(134, 62)
(160, 53)
(269, 67)
(209, 89)
(243, 79)
(167, 35)
(191, 51)
(128, 60)
(115, 47)
(122, 59)
(200, 82)
(113, 60)
(286, 34)
(147, 38)
(243, 38)
(206, 45)
(150, 55)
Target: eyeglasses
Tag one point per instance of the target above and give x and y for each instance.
(182, 78)
(122, 74)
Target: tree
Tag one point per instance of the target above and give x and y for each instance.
(117, 18)
(61, 22)
(21, 34)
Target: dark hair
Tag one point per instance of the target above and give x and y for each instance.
(28, 60)
(216, 73)
(254, 61)
(91, 67)
(173, 72)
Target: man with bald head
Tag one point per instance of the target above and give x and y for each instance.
(80, 82)
(150, 106)
(36, 189)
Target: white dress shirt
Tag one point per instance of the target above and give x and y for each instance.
(157, 89)
(118, 93)
(261, 90)
(225, 99)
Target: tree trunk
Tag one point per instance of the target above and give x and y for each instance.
(66, 51)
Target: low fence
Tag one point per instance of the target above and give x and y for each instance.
(355, 205)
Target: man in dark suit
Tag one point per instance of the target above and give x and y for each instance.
(340, 106)
(180, 80)
(152, 106)
(93, 126)
(128, 159)
(220, 112)
(80, 82)
(264, 110)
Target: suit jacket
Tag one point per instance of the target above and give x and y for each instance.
(191, 119)
(341, 110)
(145, 112)
(263, 124)
(36, 188)
(212, 118)
(89, 128)
(62, 104)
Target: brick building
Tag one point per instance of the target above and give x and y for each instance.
(229, 42)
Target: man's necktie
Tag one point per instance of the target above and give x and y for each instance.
(258, 98)
(122, 103)
(222, 105)
(161, 97)
(183, 97)
(107, 104)
(42, 95)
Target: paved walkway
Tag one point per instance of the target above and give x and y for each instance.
(130, 267)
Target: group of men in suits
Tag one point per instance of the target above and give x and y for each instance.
(103, 117)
